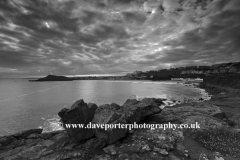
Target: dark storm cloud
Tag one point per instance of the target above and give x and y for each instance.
(218, 41)
(136, 18)
(114, 36)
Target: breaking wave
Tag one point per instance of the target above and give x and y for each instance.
(52, 124)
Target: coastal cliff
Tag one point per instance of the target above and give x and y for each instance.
(216, 139)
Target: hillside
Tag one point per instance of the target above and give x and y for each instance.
(53, 78)
(188, 72)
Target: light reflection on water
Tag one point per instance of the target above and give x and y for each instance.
(25, 105)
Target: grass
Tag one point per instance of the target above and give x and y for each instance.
(225, 141)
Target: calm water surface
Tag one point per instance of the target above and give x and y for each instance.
(26, 105)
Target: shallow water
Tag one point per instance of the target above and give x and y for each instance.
(25, 105)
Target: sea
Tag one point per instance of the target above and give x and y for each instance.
(27, 105)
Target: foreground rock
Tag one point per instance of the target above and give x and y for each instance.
(46, 146)
(206, 114)
(131, 112)
(143, 144)
(80, 113)
(212, 141)
(108, 114)
(146, 144)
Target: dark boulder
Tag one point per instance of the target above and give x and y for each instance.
(131, 112)
(80, 113)
(139, 110)
(130, 102)
(109, 115)
(149, 106)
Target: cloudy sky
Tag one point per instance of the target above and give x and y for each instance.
(82, 37)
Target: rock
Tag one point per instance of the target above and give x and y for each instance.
(147, 144)
(80, 113)
(131, 112)
(139, 146)
(47, 143)
(17, 143)
(59, 136)
(172, 157)
(58, 145)
(146, 147)
(46, 135)
(205, 114)
(203, 157)
(102, 157)
(10, 152)
(6, 140)
(27, 153)
(161, 151)
(130, 102)
(32, 142)
(205, 122)
(115, 106)
(147, 106)
(128, 156)
(1, 147)
(25, 134)
(186, 155)
(108, 114)
(217, 156)
(164, 139)
(70, 146)
(34, 136)
(180, 148)
(153, 144)
(111, 149)
(52, 149)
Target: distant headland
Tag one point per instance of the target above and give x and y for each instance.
(52, 78)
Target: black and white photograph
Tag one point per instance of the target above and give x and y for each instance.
(119, 79)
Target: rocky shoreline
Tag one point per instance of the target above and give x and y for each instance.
(120, 144)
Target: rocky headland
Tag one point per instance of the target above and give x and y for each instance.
(52, 78)
(216, 139)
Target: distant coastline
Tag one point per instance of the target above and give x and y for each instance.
(52, 78)
(190, 72)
